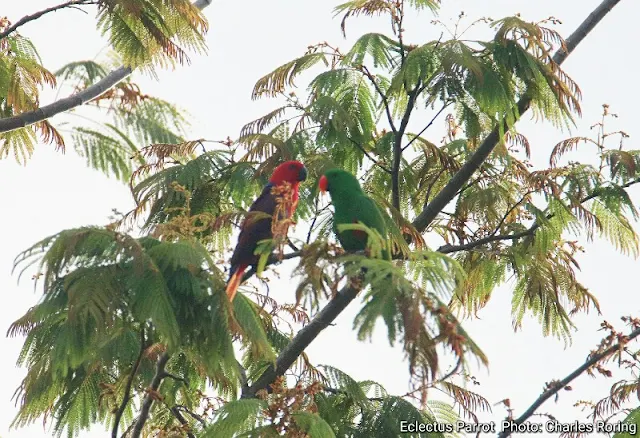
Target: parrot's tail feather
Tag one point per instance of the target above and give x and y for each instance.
(234, 282)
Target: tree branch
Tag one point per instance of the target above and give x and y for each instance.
(424, 219)
(336, 391)
(419, 134)
(446, 249)
(397, 147)
(383, 96)
(75, 100)
(27, 18)
(148, 400)
(564, 382)
(176, 413)
(272, 260)
(506, 215)
(328, 314)
(195, 416)
(125, 434)
(127, 388)
(176, 378)
(302, 339)
(373, 160)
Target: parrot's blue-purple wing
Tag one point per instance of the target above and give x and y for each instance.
(253, 230)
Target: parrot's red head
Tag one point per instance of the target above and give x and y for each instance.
(292, 172)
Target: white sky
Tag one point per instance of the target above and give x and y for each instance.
(248, 39)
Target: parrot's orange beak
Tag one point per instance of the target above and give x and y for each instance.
(323, 184)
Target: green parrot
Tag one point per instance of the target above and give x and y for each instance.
(352, 205)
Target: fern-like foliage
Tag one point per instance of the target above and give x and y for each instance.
(147, 34)
(153, 32)
(339, 406)
(102, 289)
(121, 314)
(22, 75)
(137, 120)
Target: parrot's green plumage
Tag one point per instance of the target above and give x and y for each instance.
(352, 205)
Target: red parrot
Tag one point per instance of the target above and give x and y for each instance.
(253, 230)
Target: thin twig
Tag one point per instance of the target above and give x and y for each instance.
(373, 160)
(506, 215)
(383, 96)
(450, 373)
(273, 259)
(195, 416)
(554, 389)
(315, 218)
(401, 31)
(27, 18)
(336, 391)
(127, 388)
(419, 134)
(433, 183)
(176, 413)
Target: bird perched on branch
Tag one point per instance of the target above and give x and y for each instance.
(279, 198)
(352, 205)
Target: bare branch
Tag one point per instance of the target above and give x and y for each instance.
(75, 100)
(445, 196)
(27, 18)
(383, 96)
(127, 388)
(557, 386)
(397, 147)
(445, 106)
(368, 155)
(66, 104)
(303, 338)
(148, 400)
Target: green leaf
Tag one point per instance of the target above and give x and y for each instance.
(379, 47)
(274, 82)
(629, 426)
(313, 425)
(234, 418)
